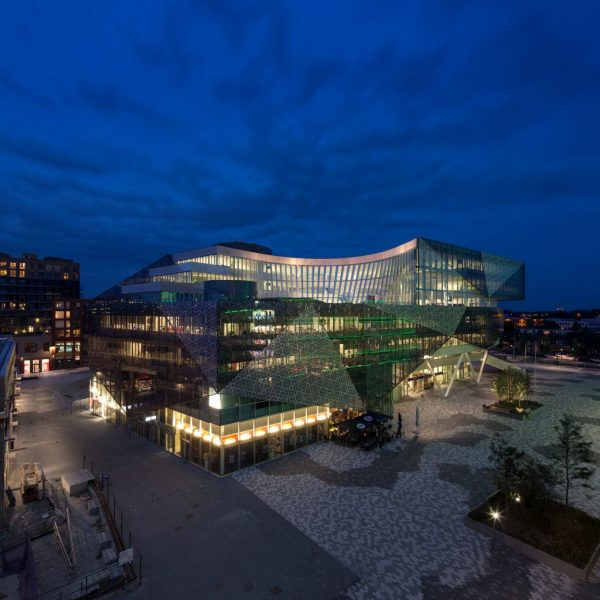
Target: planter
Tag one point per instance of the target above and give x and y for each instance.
(512, 413)
(580, 574)
(576, 573)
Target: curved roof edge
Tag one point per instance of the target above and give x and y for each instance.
(290, 260)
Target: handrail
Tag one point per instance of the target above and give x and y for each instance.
(70, 566)
(70, 536)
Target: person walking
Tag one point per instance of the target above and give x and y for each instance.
(417, 415)
(399, 431)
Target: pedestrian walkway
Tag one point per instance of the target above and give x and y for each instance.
(395, 516)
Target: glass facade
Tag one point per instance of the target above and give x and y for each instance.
(262, 350)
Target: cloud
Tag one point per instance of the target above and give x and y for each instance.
(49, 155)
(180, 125)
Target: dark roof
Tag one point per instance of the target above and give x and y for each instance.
(248, 246)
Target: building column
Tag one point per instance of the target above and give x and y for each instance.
(468, 360)
(483, 361)
(435, 381)
(454, 373)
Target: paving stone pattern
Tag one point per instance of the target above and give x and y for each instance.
(395, 516)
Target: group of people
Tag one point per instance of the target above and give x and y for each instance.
(399, 431)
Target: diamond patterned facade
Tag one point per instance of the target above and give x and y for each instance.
(300, 366)
(195, 324)
(229, 355)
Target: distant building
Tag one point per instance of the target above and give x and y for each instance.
(29, 286)
(229, 356)
(559, 320)
(7, 399)
(67, 324)
(568, 324)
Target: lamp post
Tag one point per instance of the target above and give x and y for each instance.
(534, 363)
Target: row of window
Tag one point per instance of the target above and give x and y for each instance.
(48, 267)
(32, 347)
(391, 279)
(22, 274)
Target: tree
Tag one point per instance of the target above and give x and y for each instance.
(571, 454)
(538, 481)
(512, 385)
(508, 464)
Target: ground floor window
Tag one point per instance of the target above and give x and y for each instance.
(228, 448)
(35, 365)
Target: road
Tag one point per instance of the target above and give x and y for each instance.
(199, 536)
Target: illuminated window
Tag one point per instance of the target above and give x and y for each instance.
(65, 276)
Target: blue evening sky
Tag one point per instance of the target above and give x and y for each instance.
(133, 129)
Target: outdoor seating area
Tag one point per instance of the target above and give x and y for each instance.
(368, 431)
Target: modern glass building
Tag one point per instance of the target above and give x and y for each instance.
(229, 356)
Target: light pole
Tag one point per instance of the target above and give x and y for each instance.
(534, 363)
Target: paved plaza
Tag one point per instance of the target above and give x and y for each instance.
(395, 516)
(328, 523)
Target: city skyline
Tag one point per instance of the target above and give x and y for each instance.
(172, 128)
